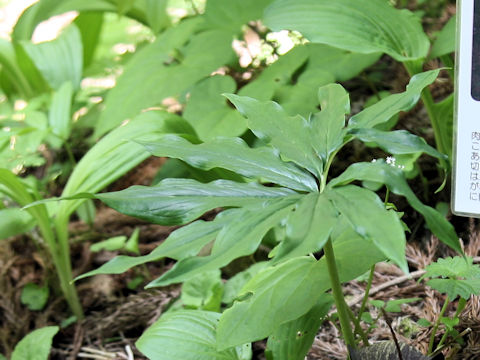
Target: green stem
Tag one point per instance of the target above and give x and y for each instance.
(338, 295)
(367, 292)
(358, 328)
(437, 324)
(461, 305)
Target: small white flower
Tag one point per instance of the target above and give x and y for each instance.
(390, 160)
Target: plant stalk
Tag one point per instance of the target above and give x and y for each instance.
(437, 324)
(342, 307)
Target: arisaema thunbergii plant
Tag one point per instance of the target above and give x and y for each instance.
(286, 184)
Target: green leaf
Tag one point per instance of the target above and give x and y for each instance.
(459, 277)
(367, 215)
(188, 335)
(238, 238)
(204, 291)
(156, 76)
(132, 243)
(444, 44)
(293, 340)
(36, 345)
(112, 244)
(393, 178)
(114, 155)
(157, 17)
(328, 124)
(444, 114)
(397, 142)
(233, 154)
(34, 297)
(374, 26)
(11, 69)
(287, 291)
(394, 305)
(59, 60)
(59, 114)
(282, 293)
(235, 284)
(290, 135)
(178, 201)
(383, 110)
(207, 110)
(229, 16)
(308, 227)
(90, 26)
(14, 221)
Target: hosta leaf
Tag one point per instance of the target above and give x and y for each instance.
(328, 124)
(188, 335)
(207, 110)
(182, 243)
(397, 142)
(367, 215)
(154, 81)
(178, 201)
(36, 345)
(239, 238)
(383, 110)
(373, 26)
(393, 178)
(287, 291)
(293, 340)
(233, 154)
(308, 227)
(290, 135)
(59, 60)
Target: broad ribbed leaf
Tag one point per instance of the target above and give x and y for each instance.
(207, 110)
(394, 180)
(233, 154)
(178, 201)
(363, 27)
(290, 135)
(11, 69)
(383, 110)
(308, 227)
(36, 345)
(293, 340)
(59, 60)
(398, 142)
(182, 243)
(187, 335)
(368, 217)
(239, 238)
(155, 75)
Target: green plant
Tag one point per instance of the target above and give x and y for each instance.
(316, 213)
(455, 277)
(36, 345)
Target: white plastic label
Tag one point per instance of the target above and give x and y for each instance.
(466, 180)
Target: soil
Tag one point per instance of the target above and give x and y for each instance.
(115, 315)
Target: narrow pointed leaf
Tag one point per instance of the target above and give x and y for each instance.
(188, 335)
(363, 27)
(308, 227)
(233, 154)
(237, 239)
(368, 217)
(178, 201)
(395, 181)
(383, 110)
(59, 115)
(182, 243)
(328, 124)
(290, 135)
